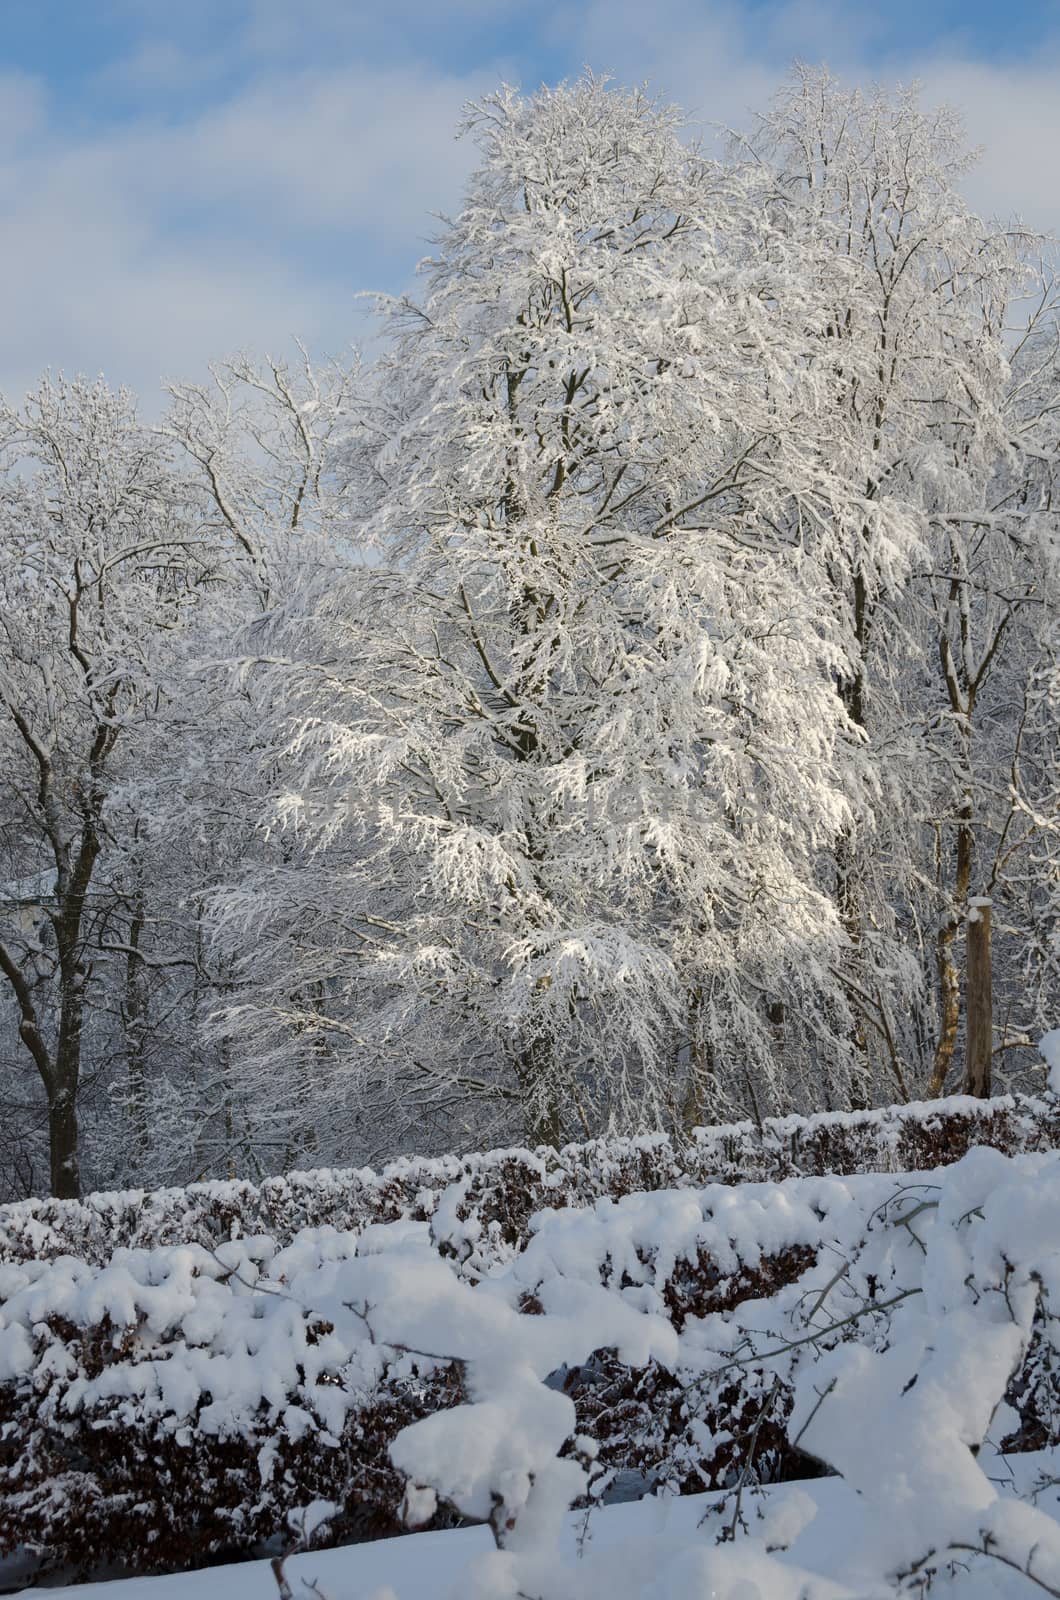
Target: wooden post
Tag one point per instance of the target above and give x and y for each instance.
(979, 1025)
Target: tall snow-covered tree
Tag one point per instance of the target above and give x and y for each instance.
(572, 729)
(267, 443)
(100, 556)
(950, 454)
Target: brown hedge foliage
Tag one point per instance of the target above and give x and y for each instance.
(101, 1492)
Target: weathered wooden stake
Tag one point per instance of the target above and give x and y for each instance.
(979, 1045)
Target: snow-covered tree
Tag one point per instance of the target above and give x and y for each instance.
(569, 742)
(942, 419)
(100, 557)
(265, 439)
(268, 442)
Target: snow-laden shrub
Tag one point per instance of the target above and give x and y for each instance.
(899, 1350)
(172, 1405)
(506, 1187)
(176, 1404)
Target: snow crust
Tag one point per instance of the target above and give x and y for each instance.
(639, 1540)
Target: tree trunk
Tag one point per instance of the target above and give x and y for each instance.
(62, 1139)
(136, 1013)
(848, 888)
(980, 1029)
(62, 1097)
(543, 1118)
(701, 1067)
(62, 1100)
(949, 977)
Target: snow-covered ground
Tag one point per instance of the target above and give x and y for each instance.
(643, 1539)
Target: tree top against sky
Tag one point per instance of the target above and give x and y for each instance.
(179, 181)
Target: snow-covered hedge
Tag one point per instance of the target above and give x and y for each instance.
(506, 1187)
(898, 1345)
(181, 1403)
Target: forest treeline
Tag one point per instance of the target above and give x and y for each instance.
(623, 703)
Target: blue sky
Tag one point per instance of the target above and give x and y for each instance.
(182, 178)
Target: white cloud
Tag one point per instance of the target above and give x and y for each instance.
(356, 148)
(1014, 114)
(148, 250)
